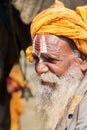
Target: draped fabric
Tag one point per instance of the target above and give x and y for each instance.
(14, 36)
(61, 21)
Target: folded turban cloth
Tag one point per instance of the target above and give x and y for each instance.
(61, 21)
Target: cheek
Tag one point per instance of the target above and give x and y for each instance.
(59, 69)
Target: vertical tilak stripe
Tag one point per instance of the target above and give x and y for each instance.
(43, 47)
(33, 48)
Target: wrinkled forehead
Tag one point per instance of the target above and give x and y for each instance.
(39, 44)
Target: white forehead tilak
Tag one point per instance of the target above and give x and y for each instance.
(43, 47)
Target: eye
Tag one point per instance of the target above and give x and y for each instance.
(35, 58)
(47, 58)
(51, 60)
(54, 61)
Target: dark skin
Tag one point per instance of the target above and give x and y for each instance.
(58, 57)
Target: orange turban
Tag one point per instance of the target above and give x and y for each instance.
(61, 21)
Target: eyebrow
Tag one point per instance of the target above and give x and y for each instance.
(42, 56)
(47, 56)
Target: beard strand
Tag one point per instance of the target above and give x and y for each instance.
(54, 104)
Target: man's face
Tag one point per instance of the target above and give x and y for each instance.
(51, 54)
(59, 77)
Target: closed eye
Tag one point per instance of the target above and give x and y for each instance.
(54, 61)
(47, 58)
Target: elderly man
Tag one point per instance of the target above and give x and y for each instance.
(60, 52)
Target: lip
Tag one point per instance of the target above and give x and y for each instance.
(51, 85)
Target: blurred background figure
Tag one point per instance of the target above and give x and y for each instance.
(14, 36)
(15, 85)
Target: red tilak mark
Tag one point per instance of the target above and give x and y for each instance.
(37, 48)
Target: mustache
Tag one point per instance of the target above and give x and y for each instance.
(49, 77)
(51, 85)
(44, 78)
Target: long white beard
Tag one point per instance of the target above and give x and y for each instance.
(53, 104)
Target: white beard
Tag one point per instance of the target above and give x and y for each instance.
(54, 104)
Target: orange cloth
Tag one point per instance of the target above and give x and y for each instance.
(61, 21)
(16, 79)
(16, 109)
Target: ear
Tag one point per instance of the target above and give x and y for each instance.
(82, 64)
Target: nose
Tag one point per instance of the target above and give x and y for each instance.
(41, 68)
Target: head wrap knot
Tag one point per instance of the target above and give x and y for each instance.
(61, 21)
